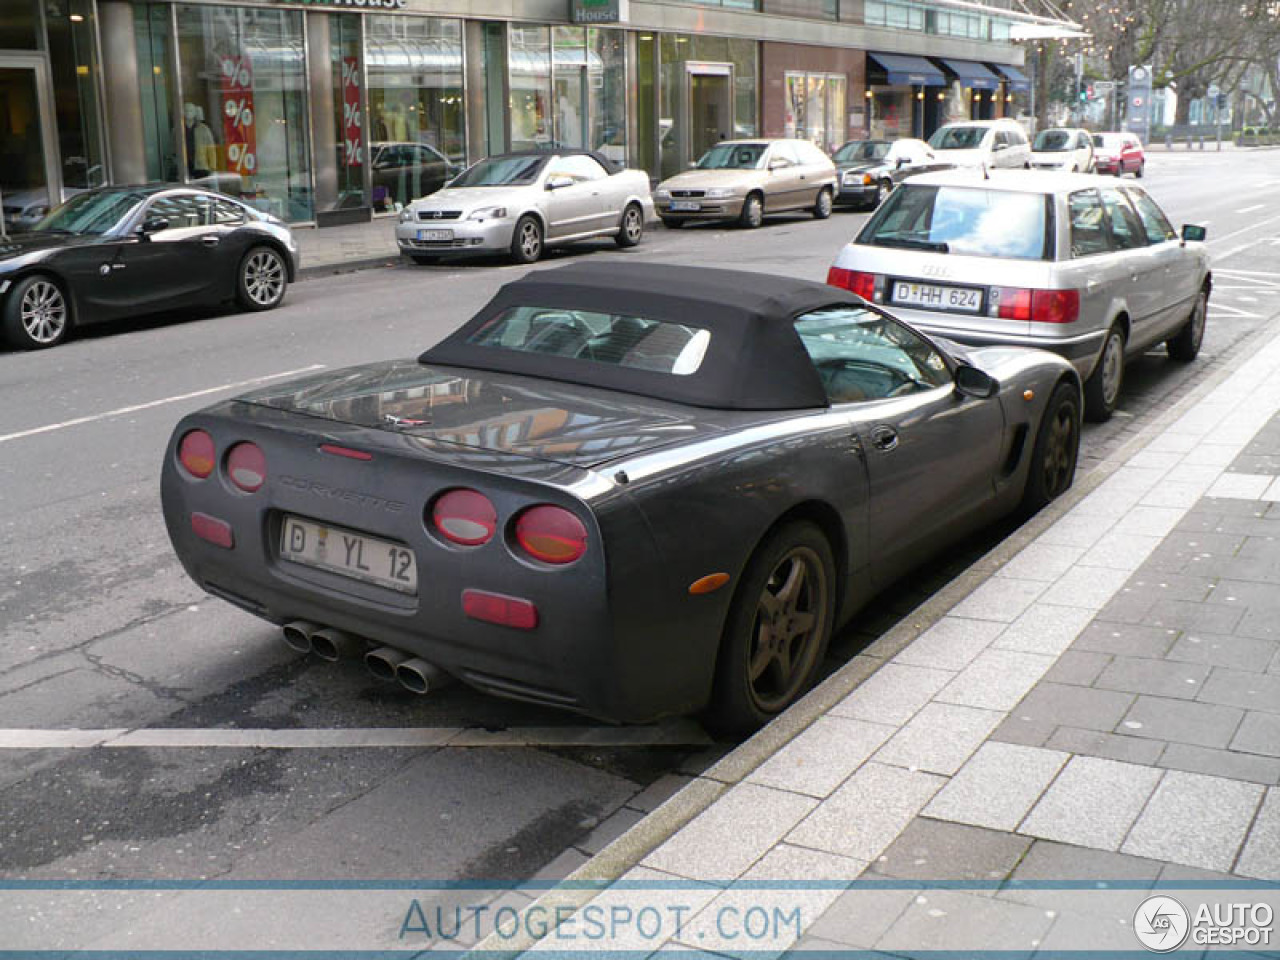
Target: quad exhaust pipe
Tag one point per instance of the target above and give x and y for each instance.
(385, 663)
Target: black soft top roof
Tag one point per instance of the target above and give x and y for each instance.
(754, 361)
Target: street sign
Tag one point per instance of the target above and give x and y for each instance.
(1103, 87)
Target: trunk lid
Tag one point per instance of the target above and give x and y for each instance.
(540, 419)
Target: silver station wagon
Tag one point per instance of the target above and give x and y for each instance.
(1087, 268)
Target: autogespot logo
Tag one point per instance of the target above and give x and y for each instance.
(1161, 924)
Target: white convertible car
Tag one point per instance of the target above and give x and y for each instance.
(522, 203)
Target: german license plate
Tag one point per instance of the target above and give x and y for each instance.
(435, 234)
(351, 554)
(934, 297)
(685, 205)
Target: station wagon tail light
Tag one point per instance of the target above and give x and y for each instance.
(247, 467)
(551, 534)
(465, 517)
(865, 285)
(1035, 306)
(196, 453)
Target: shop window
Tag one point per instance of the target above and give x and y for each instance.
(815, 108)
(73, 60)
(607, 92)
(244, 111)
(415, 98)
(571, 71)
(151, 36)
(708, 92)
(19, 20)
(530, 66)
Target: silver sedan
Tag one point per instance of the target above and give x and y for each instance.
(522, 203)
(1067, 262)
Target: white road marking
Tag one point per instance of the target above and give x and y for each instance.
(156, 403)
(1249, 273)
(1256, 206)
(1231, 312)
(666, 733)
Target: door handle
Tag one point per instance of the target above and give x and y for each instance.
(212, 240)
(884, 437)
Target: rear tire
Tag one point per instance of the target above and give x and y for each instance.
(822, 208)
(1138, 173)
(1185, 344)
(1102, 389)
(527, 240)
(631, 229)
(36, 313)
(261, 279)
(1053, 459)
(777, 630)
(752, 212)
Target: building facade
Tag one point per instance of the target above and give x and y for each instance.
(326, 111)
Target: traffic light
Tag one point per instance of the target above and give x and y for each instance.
(1084, 95)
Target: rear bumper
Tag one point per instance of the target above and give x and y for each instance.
(1081, 350)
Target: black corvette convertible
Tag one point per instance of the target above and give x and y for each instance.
(625, 490)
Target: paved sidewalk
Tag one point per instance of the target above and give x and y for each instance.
(1103, 711)
(353, 246)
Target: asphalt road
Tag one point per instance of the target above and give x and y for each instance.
(101, 630)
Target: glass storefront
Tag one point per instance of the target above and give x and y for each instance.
(152, 36)
(417, 115)
(815, 108)
(707, 92)
(73, 62)
(244, 105)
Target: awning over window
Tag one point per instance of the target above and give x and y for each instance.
(972, 74)
(1018, 80)
(905, 70)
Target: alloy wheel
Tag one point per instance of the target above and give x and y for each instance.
(44, 312)
(632, 224)
(1059, 454)
(1112, 367)
(530, 240)
(264, 278)
(787, 631)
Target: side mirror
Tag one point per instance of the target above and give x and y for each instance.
(903, 161)
(778, 163)
(972, 382)
(556, 183)
(999, 146)
(1193, 233)
(156, 224)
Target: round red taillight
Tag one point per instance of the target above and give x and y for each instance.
(247, 467)
(551, 534)
(196, 453)
(465, 517)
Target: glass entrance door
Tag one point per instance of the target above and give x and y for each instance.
(710, 107)
(29, 183)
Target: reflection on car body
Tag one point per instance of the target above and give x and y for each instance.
(549, 461)
(1066, 262)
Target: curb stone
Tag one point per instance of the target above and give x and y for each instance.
(628, 850)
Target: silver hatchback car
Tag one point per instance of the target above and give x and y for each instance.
(1071, 263)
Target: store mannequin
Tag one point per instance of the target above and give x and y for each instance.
(202, 152)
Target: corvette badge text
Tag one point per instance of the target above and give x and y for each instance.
(1163, 924)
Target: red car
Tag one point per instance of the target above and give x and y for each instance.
(1118, 153)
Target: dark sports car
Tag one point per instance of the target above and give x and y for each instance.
(625, 490)
(125, 251)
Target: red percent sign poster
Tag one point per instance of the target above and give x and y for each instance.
(352, 128)
(237, 116)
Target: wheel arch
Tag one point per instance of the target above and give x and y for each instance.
(827, 519)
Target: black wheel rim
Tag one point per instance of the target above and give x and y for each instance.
(786, 632)
(1060, 451)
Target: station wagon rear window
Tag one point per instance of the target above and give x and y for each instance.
(964, 220)
(620, 340)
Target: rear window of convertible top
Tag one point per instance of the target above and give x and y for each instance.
(621, 340)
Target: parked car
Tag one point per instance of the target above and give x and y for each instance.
(523, 203)
(745, 180)
(513, 508)
(1061, 261)
(402, 172)
(123, 251)
(989, 143)
(1119, 153)
(869, 169)
(1063, 148)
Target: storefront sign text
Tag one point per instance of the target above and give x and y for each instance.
(370, 6)
(599, 11)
